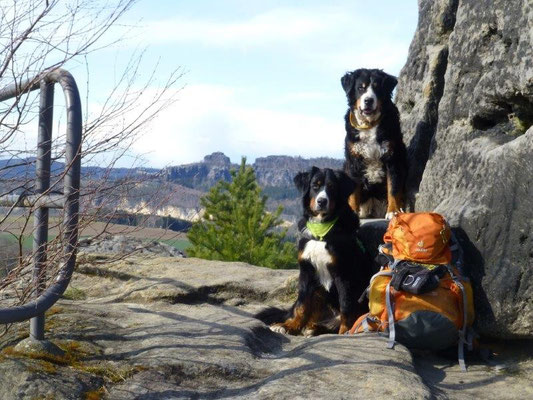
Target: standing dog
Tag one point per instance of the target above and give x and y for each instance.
(334, 267)
(375, 155)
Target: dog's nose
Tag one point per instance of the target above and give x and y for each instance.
(322, 202)
(368, 101)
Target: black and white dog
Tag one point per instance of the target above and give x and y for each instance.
(334, 267)
(375, 155)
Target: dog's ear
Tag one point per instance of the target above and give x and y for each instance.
(389, 83)
(346, 184)
(303, 179)
(348, 80)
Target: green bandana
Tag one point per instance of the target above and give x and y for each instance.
(320, 229)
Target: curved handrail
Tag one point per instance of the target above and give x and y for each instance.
(71, 192)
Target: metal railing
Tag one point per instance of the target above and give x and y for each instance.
(46, 297)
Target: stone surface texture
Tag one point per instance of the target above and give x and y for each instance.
(122, 244)
(466, 99)
(181, 328)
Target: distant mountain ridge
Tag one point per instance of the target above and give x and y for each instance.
(25, 168)
(184, 185)
(271, 171)
(274, 174)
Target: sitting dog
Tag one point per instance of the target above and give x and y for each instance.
(334, 267)
(375, 155)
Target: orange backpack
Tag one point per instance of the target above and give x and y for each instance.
(419, 298)
(419, 237)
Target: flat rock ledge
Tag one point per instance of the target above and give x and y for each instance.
(181, 328)
(124, 245)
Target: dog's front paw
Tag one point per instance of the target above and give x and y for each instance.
(278, 328)
(308, 332)
(390, 214)
(343, 329)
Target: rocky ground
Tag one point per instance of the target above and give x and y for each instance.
(150, 327)
(122, 245)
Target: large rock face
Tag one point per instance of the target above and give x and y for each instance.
(466, 99)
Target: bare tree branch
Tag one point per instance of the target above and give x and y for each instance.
(37, 36)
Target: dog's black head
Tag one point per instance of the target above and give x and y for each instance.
(324, 192)
(367, 90)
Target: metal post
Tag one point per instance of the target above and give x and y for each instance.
(71, 181)
(71, 185)
(42, 184)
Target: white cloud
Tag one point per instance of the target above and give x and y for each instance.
(280, 25)
(212, 118)
(303, 96)
(389, 56)
(329, 37)
(296, 106)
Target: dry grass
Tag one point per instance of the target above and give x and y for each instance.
(16, 224)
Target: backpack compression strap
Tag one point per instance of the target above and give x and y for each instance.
(390, 314)
(388, 299)
(462, 333)
(390, 309)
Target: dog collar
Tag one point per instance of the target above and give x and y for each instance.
(320, 229)
(366, 125)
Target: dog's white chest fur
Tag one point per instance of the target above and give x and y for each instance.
(315, 252)
(369, 149)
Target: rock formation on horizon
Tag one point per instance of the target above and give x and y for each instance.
(271, 171)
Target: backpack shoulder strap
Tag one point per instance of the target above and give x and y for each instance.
(457, 253)
(390, 314)
(462, 332)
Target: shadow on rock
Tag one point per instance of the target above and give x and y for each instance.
(474, 268)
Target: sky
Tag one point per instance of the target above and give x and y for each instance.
(259, 77)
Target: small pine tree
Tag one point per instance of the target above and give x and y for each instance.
(236, 226)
